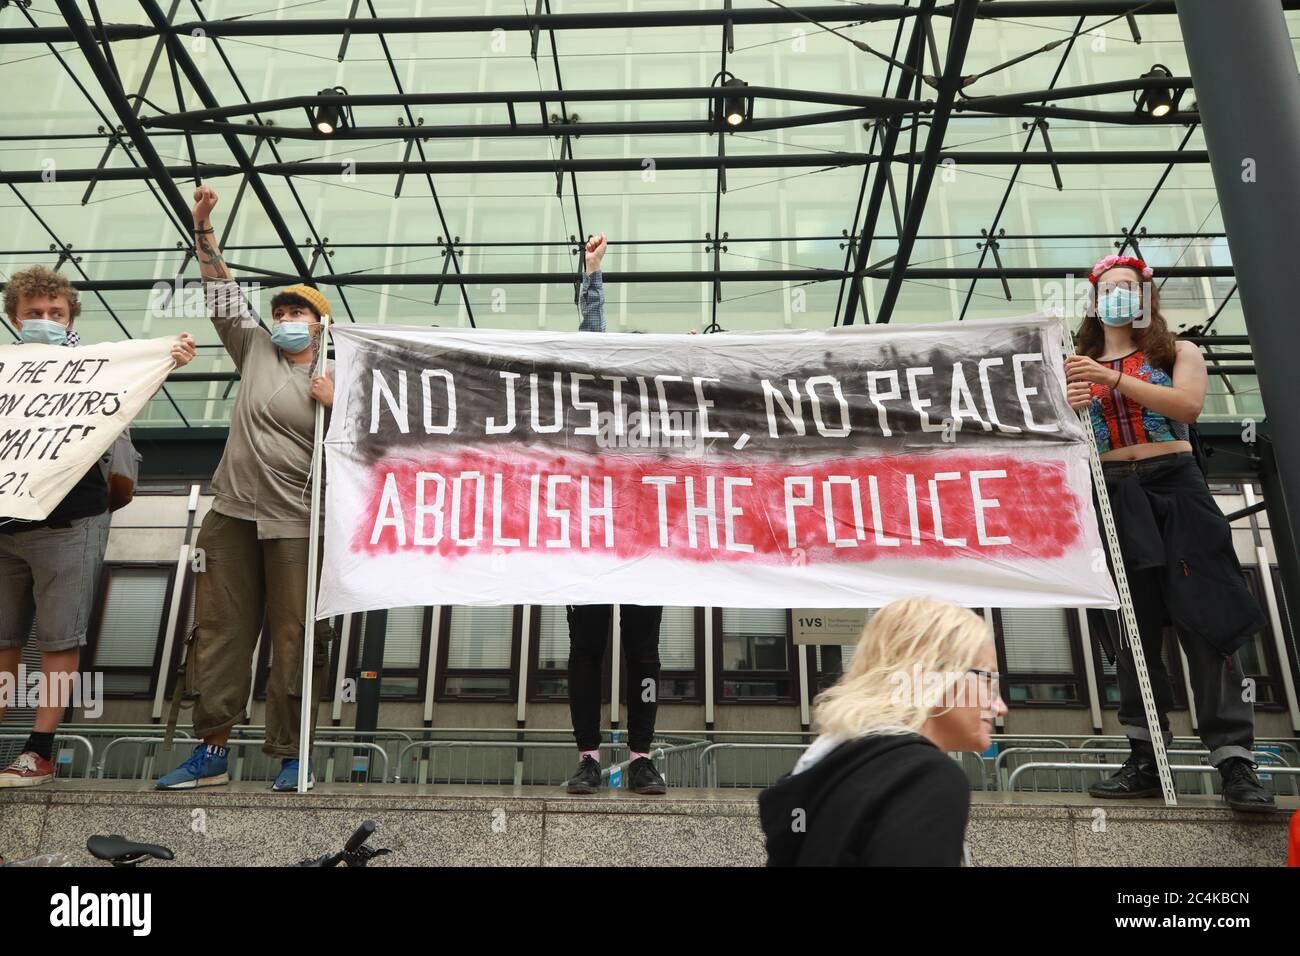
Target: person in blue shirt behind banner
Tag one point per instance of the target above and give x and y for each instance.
(590, 630)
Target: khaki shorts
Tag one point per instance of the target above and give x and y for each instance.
(49, 575)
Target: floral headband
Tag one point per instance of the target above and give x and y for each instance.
(1110, 262)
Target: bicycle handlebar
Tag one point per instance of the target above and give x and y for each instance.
(364, 833)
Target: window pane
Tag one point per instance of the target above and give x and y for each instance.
(549, 685)
(478, 686)
(677, 639)
(676, 688)
(404, 633)
(833, 661)
(404, 637)
(1042, 693)
(553, 639)
(399, 687)
(1254, 660)
(756, 689)
(126, 684)
(1037, 641)
(133, 614)
(480, 638)
(754, 639)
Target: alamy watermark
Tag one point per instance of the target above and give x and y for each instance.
(659, 429)
(35, 688)
(1073, 297)
(179, 299)
(946, 689)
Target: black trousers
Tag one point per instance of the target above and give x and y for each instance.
(1182, 570)
(589, 630)
(1224, 717)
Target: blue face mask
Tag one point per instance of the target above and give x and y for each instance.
(291, 336)
(1119, 306)
(44, 332)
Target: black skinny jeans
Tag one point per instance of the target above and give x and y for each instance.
(1219, 601)
(589, 631)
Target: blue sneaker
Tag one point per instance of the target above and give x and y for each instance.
(288, 778)
(206, 767)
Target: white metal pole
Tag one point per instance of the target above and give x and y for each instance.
(174, 610)
(1275, 619)
(1090, 670)
(616, 620)
(313, 541)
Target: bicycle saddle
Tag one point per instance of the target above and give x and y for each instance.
(117, 849)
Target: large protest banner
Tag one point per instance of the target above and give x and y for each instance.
(841, 468)
(60, 410)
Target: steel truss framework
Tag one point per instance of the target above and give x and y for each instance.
(925, 93)
(925, 89)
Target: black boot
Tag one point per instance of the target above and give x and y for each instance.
(587, 778)
(1137, 778)
(1241, 788)
(642, 777)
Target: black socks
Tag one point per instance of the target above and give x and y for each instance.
(40, 744)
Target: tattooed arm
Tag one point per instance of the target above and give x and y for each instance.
(211, 265)
(230, 312)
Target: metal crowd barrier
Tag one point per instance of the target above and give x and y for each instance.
(75, 739)
(1267, 760)
(710, 777)
(145, 769)
(1194, 743)
(677, 767)
(1105, 768)
(517, 756)
(507, 769)
(528, 764)
(709, 764)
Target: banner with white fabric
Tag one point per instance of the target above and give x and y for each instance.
(60, 410)
(837, 468)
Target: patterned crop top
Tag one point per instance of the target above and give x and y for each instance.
(1118, 422)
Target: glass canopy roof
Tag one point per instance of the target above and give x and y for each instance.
(513, 195)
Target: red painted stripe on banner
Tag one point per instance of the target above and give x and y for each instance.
(1026, 508)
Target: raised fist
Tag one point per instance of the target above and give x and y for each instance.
(205, 199)
(596, 247)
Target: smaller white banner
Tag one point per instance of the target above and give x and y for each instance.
(60, 410)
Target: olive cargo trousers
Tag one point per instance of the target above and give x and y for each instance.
(243, 579)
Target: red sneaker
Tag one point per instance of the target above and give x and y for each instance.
(29, 770)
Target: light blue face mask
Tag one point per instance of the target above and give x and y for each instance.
(291, 336)
(44, 332)
(1119, 306)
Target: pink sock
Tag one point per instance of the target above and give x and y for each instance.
(593, 754)
(633, 755)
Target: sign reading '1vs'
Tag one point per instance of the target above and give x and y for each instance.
(838, 469)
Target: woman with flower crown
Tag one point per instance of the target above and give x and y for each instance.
(1143, 389)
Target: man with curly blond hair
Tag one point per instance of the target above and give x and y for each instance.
(49, 568)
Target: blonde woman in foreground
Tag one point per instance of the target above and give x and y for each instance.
(877, 787)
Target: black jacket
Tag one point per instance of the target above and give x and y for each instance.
(1169, 524)
(875, 801)
(88, 497)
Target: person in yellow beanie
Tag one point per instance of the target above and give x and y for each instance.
(253, 542)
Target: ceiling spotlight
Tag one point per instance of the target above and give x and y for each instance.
(329, 117)
(737, 108)
(1158, 100)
